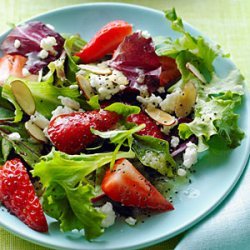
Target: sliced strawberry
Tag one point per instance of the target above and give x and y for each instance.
(125, 184)
(105, 41)
(151, 128)
(18, 195)
(11, 65)
(70, 133)
(170, 73)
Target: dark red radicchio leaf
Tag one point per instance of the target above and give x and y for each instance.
(137, 59)
(30, 36)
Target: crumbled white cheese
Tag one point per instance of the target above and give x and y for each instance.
(151, 100)
(145, 34)
(190, 155)
(17, 43)
(107, 209)
(169, 103)
(181, 172)
(166, 129)
(14, 136)
(131, 221)
(61, 110)
(48, 44)
(50, 26)
(107, 86)
(161, 90)
(41, 121)
(45, 132)
(143, 88)
(174, 141)
(25, 72)
(70, 103)
(43, 54)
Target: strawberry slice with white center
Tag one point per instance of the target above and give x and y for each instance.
(125, 184)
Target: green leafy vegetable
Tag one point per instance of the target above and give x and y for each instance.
(187, 48)
(28, 149)
(123, 109)
(154, 153)
(72, 45)
(67, 197)
(8, 95)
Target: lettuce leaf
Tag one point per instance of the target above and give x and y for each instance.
(28, 149)
(67, 196)
(187, 48)
(154, 153)
(72, 45)
(123, 109)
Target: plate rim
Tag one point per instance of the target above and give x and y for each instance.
(188, 224)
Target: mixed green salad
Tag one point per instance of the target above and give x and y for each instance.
(102, 127)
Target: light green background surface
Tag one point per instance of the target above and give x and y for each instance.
(225, 21)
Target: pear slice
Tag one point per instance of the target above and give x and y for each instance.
(23, 96)
(160, 116)
(95, 69)
(84, 85)
(186, 100)
(35, 131)
(195, 72)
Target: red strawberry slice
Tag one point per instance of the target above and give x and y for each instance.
(151, 128)
(125, 184)
(70, 133)
(105, 41)
(18, 195)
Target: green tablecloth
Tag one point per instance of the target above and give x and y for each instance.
(225, 21)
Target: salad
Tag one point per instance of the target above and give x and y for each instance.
(92, 131)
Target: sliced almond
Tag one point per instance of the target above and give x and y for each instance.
(23, 96)
(186, 100)
(85, 86)
(35, 131)
(160, 116)
(95, 69)
(195, 72)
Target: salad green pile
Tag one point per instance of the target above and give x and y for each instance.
(71, 181)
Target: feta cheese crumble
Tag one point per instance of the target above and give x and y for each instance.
(174, 141)
(61, 110)
(190, 155)
(43, 54)
(151, 100)
(169, 103)
(131, 221)
(14, 136)
(41, 121)
(70, 103)
(48, 44)
(17, 43)
(107, 86)
(107, 209)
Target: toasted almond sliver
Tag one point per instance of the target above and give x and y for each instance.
(160, 116)
(23, 96)
(195, 72)
(95, 69)
(35, 131)
(85, 86)
(186, 100)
